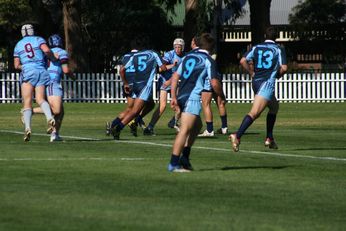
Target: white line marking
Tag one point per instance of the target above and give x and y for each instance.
(169, 145)
(80, 159)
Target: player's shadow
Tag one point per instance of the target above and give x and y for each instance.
(229, 168)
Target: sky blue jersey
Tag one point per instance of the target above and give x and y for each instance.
(196, 68)
(169, 58)
(29, 52)
(54, 68)
(267, 58)
(144, 64)
(130, 71)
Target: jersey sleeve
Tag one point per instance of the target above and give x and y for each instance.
(167, 57)
(158, 59)
(16, 52)
(128, 63)
(63, 57)
(180, 69)
(211, 67)
(250, 55)
(40, 41)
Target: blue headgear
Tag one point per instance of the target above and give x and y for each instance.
(55, 41)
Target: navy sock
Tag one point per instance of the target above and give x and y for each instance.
(247, 121)
(223, 121)
(271, 118)
(173, 120)
(115, 122)
(119, 127)
(139, 120)
(150, 126)
(210, 126)
(174, 160)
(186, 152)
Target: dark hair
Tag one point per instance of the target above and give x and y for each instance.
(206, 41)
(271, 33)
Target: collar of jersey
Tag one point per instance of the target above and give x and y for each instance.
(269, 41)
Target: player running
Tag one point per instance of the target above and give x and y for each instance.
(196, 68)
(54, 90)
(268, 63)
(29, 58)
(171, 59)
(144, 64)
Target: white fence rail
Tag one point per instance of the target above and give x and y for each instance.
(106, 88)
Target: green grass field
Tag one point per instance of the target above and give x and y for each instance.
(91, 182)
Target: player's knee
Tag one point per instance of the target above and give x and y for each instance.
(274, 108)
(56, 110)
(254, 114)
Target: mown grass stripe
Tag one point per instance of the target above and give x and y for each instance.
(196, 147)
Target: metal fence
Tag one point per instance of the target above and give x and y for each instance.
(106, 88)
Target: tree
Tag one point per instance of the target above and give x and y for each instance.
(73, 35)
(318, 21)
(327, 15)
(111, 25)
(12, 16)
(259, 19)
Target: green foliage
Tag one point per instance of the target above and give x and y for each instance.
(319, 19)
(111, 25)
(14, 13)
(318, 12)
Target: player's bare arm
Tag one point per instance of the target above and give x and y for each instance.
(282, 70)
(174, 85)
(216, 85)
(162, 68)
(123, 78)
(17, 64)
(53, 57)
(248, 66)
(67, 71)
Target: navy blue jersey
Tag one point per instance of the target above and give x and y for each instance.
(144, 64)
(267, 58)
(196, 68)
(129, 71)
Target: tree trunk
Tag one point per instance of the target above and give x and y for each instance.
(259, 19)
(73, 35)
(190, 24)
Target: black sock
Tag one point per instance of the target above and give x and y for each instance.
(247, 121)
(223, 121)
(186, 152)
(119, 127)
(115, 122)
(210, 126)
(174, 160)
(271, 118)
(139, 120)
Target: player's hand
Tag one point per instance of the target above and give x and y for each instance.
(71, 76)
(174, 104)
(127, 88)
